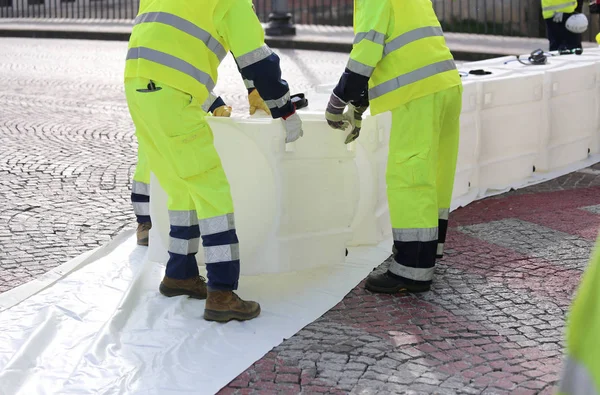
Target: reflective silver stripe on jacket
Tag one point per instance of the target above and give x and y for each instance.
(372, 35)
(443, 213)
(172, 62)
(140, 188)
(254, 56)
(183, 218)
(411, 77)
(249, 84)
(417, 274)
(209, 101)
(185, 26)
(360, 68)
(411, 36)
(224, 253)
(408, 235)
(141, 208)
(184, 247)
(278, 103)
(576, 379)
(559, 6)
(214, 225)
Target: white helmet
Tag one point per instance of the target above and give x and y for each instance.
(577, 23)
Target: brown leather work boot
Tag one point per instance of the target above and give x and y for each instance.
(194, 287)
(143, 230)
(224, 306)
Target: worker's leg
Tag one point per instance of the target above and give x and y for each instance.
(572, 40)
(555, 33)
(448, 154)
(178, 142)
(140, 198)
(412, 196)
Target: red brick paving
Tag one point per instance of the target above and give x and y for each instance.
(492, 323)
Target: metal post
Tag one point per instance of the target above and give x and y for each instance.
(280, 20)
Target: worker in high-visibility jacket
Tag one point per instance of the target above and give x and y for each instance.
(581, 369)
(140, 186)
(556, 13)
(174, 51)
(400, 63)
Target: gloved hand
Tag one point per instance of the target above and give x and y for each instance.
(223, 111)
(256, 102)
(558, 17)
(354, 115)
(293, 127)
(335, 113)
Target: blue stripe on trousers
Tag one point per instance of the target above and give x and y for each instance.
(137, 198)
(180, 266)
(222, 275)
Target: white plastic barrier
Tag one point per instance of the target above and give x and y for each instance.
(569, 99)
(372, 223)
(294, 203)
(505, 125)
(590, 56)
(298, 206)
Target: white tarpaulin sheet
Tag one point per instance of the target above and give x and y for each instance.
(105, 329)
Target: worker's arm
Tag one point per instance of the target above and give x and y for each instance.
(367, 50)
(254, 100)
(216, 106)
(247, 83)
(257, 63)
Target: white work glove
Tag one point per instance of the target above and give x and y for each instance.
(558, 17)
(293, 127)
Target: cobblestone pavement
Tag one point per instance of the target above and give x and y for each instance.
(492, 324)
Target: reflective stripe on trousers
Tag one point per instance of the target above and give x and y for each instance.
(140, 200)
(221, 247)
(414, 248)
(442, 231)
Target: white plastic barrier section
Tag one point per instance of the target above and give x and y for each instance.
(501, 128)
(294, 203)
(568, 118)
(298, 205)
(372, 223)
(591, 56)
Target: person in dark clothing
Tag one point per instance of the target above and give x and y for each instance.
(559, 37)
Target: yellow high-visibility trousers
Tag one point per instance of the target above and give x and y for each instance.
(177, 142)
(420, 178)
(581, 369)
